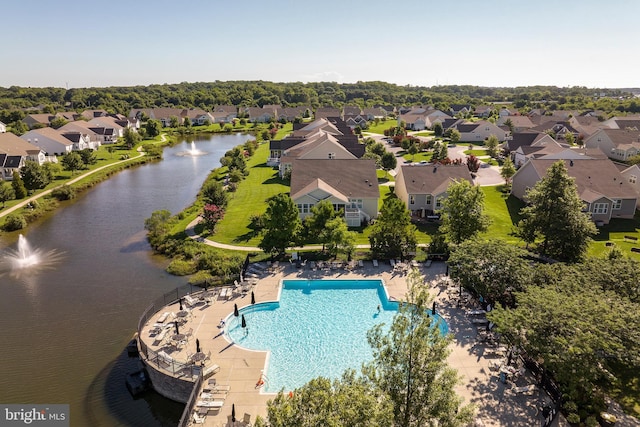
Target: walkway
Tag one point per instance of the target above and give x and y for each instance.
(497, 404)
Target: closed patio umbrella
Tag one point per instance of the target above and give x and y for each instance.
(233, 413)
(176, 325)
(180, 301)
(197, 345)
(244, 322)
(433, 309)
(235, 310)
(253, 298)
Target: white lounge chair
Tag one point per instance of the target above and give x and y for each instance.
(375, 262)
(198, 419)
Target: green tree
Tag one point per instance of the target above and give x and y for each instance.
(18, 185)
(493, 269)
(282, 225)
(393, 235)
(410, 365)
(569, 138)
(35, 177)
(388, 161)
(454, 136)
(413, 150)
(349, 401)
(508, 170)
(174, 121)
(19, 127)
(131, 138)
(214, 193)
(492, 146)
(438, 130)
(58, 122)
(509, 123)
(72, 162)
(462, 212)
(339, 238)
(6, 192)
(211, 215)
(316, 224)
(89, 156)
(554, 215)
(153, 128)
(158, 227)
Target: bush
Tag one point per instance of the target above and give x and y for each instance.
(573, 418)
(180, 267)
(65, 192)
(14, 222)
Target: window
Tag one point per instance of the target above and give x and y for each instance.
(355, 204)
(616, 205)
(428, 199)
(438, 202)
(633, 179)
(600, 208)
(332, 155)
(412, 199)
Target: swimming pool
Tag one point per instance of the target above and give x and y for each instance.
(317, 328)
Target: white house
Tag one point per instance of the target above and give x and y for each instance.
(49, 140)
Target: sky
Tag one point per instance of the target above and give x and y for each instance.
(506, 43)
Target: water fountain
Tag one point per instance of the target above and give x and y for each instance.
(23, 257)
(193, 151)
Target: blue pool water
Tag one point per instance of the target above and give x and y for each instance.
(318, 328)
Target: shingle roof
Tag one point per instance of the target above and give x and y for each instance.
(432, 179)
(353, 178)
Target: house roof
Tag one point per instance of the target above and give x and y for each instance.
(351, 178)
(49, 133)
(467, 127)
(622, 138)
(432, 179)
(13, 145)
(595, 178)
(527, 138)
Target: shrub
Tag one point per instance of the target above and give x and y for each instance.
(65, 192)
(14, 222)
(573, 418)
(180, 267)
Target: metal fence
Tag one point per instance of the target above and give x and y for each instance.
(191, 403)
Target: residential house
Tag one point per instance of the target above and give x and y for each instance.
(114, 129)
(626, 122)
(460, 110)
(326, 112)
(259, 115)
(435, 116)
(632, 175)
(350, 185)
(585, 125)
(480, 131)
(559, 128)
(49, 140)
(14, 152)
(525, 145)
(413, 120)
(38, 120)
(375, 113)
(355, 120)
(3, 127)
(351, 110)
(90, 114)
(483, 111)
(527, 138)
(518, 123)
(600, 185)
(618, 144)
(163, 114)
(289, 114)
(423, 187)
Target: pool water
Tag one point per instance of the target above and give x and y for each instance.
(318, 328)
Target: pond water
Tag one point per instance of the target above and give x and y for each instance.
(64, 327)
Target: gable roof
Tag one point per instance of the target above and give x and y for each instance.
(432, 179)
(595, 178)
(49, 133)
(351, 178)
(13, 145)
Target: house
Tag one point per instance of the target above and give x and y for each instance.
(90, 114)
(94, 135)
(289, 114)
(423, 187)
(326, 112)
(351, 110)
(483, 111)
(480, 131)
(559, 128)
(413, 120)
(350, 185)
(627, 122)
(530, 137)
(164, 114)
(460, 109)
(38, 120)
(49, 140)
(632, 175)
(114, 129)
(585, 125)
(600, 185)
(14, 152)
(618, 144)
(375, 113)
(259, 115)
(3, 127)
(355, 120)
(518, 123)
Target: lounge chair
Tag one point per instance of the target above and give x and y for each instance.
(527, 389)
(375, 262)
(393, 263)
(198, 419)
(191, 302)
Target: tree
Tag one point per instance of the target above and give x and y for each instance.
(211, 214)
(454, 136)
(89, 156)
(72, 162)
(413, 150)
(507, 170)
(131, 138)
(19, 127)
(282, 225)
(339, 238)
(473, 163)
(153, 128)
(58, 122)
(214, 193)
(158, 227)
(316, 224)
(462, 212)
(34, 176)
(569, 138)
(6, 192)
(388, 161)
(438, 130)
(492, 146)
(393, 235)
(349, 401)
(509, 123)
(174, 121)
(410, 365)
(493, 269)
(18, 185)
(554, 214)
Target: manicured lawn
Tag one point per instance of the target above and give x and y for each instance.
(250, 199)
(503, 209)
(423, 155)
(424, 133)
(476, 152)
(614, 233)
(382, 126)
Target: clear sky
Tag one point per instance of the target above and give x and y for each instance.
(71, 43)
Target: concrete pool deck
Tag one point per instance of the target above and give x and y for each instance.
(497, 404)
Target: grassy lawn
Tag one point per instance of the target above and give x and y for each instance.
(424, 133)
(475, 152)
(503, 209)
(250, 199)
(382, 126)
(423, 155)
(614, 234)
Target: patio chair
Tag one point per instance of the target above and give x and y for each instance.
(246, 420)
(375, 262)
(198, 419)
